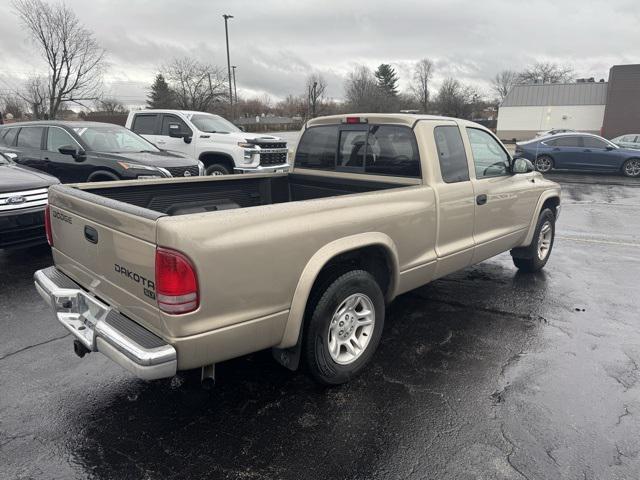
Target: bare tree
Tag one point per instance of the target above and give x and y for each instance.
(196, 86)
(316, 87)
(422, 73)
(34, 94)
(361, 90)
(110, 105)
(546, 72)
(12, 104)
(502, 83)
(457, 100)
(74, 58)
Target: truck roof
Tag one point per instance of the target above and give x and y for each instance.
(170, 110)
(408, 119)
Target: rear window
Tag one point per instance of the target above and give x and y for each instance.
(30, 137)
(144, 124)
(375, 149)
(451, 154)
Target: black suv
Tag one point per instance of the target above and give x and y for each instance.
(92, 152)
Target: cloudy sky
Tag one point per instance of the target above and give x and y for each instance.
(277, 43)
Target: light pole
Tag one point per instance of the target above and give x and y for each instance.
(235, 87)
(226, 33)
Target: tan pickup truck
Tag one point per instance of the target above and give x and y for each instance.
(178, 274)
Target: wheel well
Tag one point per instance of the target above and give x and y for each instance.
(374, 259)
(552, 203)
(102, 176)
(222, 158)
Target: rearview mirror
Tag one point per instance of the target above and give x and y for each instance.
(522, 165)
(76, 153)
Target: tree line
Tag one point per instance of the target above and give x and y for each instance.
(76, 64)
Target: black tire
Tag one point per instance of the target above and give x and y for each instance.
(319, 362)
(527, 258)
(544, 164)
(631, 168)
(217, 169)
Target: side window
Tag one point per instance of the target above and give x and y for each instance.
(489, 157)
(8, 137)
(317, 148)
(392, 150)
(568, 142)
(593, 142)
(451, 155)
(167, 119)
(57, 137)
(145, 124)
(30, 137)
(551, 142)
(352, 149)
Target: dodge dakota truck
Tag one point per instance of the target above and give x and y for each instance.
(178, 274)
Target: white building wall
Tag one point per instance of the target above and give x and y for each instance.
(523, 122)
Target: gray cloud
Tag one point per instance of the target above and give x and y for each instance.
(276, 44)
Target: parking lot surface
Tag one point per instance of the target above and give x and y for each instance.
(488, 373)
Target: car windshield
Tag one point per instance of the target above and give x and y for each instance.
(213, 123)
(113, 139)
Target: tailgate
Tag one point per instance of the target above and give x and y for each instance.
(108, 247)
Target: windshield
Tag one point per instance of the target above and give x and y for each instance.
(213, 123)
(113, 139)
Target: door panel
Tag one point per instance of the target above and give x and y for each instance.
(166, 142)
(29, 148)
(64, 167)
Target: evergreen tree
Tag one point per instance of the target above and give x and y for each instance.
(160, 95)
(387, 79)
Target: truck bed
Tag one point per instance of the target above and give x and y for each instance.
(181, 198)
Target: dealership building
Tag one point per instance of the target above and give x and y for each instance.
(609, 108)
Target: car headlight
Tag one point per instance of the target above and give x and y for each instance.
(137, 166)
(246, 145)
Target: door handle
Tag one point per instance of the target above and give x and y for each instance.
(91, 234)
(161, 142)
(481, 199)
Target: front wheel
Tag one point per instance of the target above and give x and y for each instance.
(631, 168)
(217, 169)
(534, 257)
(345, 328)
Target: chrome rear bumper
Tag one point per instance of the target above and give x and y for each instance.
(102, 329)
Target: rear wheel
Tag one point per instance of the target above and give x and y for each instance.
(345, 328)
(217, 169)
(631, 168)
(534, 257)
(544, 163)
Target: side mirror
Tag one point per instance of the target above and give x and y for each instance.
(609, 147)
(521, 165)
(75, 152)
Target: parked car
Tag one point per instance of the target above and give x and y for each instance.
(175, 275)
(579, 151)
(92, 152)
(218, 143)
(553, 131)
(23, 196)
(627, 141)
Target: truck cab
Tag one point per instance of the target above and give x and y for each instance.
(222, 147)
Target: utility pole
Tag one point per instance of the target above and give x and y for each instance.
(226, 33)
(235, 87)
(314, 99)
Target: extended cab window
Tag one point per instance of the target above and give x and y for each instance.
(317, 148)
(451, 155)
(30, 137)
(145, 124)
(490, 159)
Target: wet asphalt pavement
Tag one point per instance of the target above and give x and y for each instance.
(485, 374)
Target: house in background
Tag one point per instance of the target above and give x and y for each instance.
(528, 109)
(609, 108)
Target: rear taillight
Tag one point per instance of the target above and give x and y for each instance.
(47, 225)
(176, 282)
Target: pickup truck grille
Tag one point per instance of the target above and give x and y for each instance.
(180, 171)
(273, 158)
(22, 200)
(272, 144)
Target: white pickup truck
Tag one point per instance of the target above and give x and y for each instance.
(216, 142)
